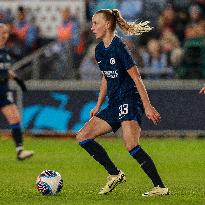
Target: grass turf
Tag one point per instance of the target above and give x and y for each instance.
(181, 164)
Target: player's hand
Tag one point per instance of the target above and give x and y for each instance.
(152, 114)
(202, 91)
(94, 111)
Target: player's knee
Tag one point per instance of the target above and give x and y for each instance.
(81, 136)
(13, 119)
(131, 145)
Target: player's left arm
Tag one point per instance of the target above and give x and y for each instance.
(129, 64)
(150, 111)
(19, 81)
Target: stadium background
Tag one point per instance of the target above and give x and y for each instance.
(63, 77)
(63, 81)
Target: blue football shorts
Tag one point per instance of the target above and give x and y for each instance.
(127, 109)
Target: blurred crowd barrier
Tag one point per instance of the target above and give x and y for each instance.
(63, 106)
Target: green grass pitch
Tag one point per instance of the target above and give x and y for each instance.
(181, 164)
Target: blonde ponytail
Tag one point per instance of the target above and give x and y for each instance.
(131, 28)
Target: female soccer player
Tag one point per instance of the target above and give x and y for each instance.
(7, 106)
(202, 91)
(128, 100)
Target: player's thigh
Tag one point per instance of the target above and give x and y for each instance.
(11, 113)
(131, 133)
(93, 128)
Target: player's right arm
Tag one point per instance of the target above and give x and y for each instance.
(101, 97)
(202, 91)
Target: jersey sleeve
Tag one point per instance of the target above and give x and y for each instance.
(125, 57)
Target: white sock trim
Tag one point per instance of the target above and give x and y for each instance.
(19, 148)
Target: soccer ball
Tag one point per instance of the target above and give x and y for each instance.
(49, 182)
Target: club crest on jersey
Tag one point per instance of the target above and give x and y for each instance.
(112, 61)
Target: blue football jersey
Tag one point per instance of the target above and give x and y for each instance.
(114, 62)
(5, 64)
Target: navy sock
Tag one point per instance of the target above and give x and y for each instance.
(17, 135)
(147, 165)
(100, 155)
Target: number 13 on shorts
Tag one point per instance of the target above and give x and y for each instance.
(123, 110)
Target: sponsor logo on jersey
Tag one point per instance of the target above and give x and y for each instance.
(110, 74)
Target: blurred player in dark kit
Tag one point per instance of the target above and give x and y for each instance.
(7, 106)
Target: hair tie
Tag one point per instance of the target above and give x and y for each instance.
(114, 14)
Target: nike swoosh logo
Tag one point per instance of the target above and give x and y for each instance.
(121, 117)
(99, 62)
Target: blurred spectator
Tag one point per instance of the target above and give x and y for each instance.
(196, 14)
(195, 27)
(171, 46)
(23, 33)
(202, 27)
(152, 10)
(155, 61)
(182, 19)
(167, 20)
(201, 4)
(175, 20)
(5, 16)
(135, 49)
(88, 69)
(195, 31)
(131, 9)
(71, 45)
(180, 5)
(193, 62)
(69, 28)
